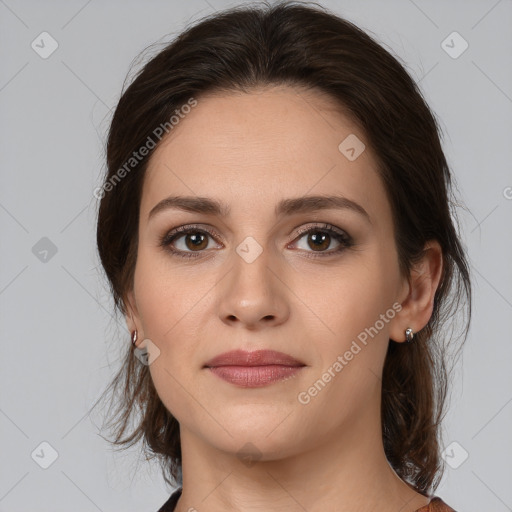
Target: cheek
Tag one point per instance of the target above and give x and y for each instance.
(355, 347)
(167, 304)
(165, 292)
(351, 299)
(167, 301)
(355, 310)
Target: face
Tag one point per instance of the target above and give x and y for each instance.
(318, 284)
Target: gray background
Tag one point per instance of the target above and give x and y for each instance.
(60, 343)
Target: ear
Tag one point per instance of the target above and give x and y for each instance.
(132, 314)
(418, 293)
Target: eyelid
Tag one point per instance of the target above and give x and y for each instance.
(342, 237)
(300, 229)
(188, 227)
(321, 226)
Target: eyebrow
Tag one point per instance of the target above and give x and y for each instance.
(304, 204)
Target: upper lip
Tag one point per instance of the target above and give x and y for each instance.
(255, 358)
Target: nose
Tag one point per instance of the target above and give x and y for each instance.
(253, 295)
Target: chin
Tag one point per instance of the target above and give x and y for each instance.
(258, 430)
(253, 447)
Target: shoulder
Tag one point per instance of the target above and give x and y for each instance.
(170, 504)
(436, 505)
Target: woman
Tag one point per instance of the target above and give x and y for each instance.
(276, 231)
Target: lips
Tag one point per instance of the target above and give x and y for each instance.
(256, 358)
(254, 369)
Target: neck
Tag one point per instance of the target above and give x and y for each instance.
(346, 471)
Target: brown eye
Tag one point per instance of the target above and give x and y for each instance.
(185, 241)
(190, 242)
(319, 239)
(195, 240)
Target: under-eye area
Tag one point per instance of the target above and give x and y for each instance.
(190, 241)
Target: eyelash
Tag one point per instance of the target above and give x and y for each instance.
(345, 240)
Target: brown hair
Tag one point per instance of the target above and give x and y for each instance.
(303, 45)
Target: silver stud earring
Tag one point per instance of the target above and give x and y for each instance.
(134, 337)
(409, 335)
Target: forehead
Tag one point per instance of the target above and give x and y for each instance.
(248, 149)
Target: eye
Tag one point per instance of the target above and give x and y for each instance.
(192, 239)
(195, 240)
(321, 237)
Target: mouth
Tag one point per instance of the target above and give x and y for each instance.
(254, 369)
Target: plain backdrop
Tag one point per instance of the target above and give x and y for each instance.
(60, 340)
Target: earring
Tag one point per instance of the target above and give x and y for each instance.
(409, 335)
(134, 337)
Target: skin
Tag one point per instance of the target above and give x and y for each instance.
(250, 150)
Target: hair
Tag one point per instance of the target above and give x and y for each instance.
(307, 46)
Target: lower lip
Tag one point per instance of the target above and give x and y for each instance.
(254, 376)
